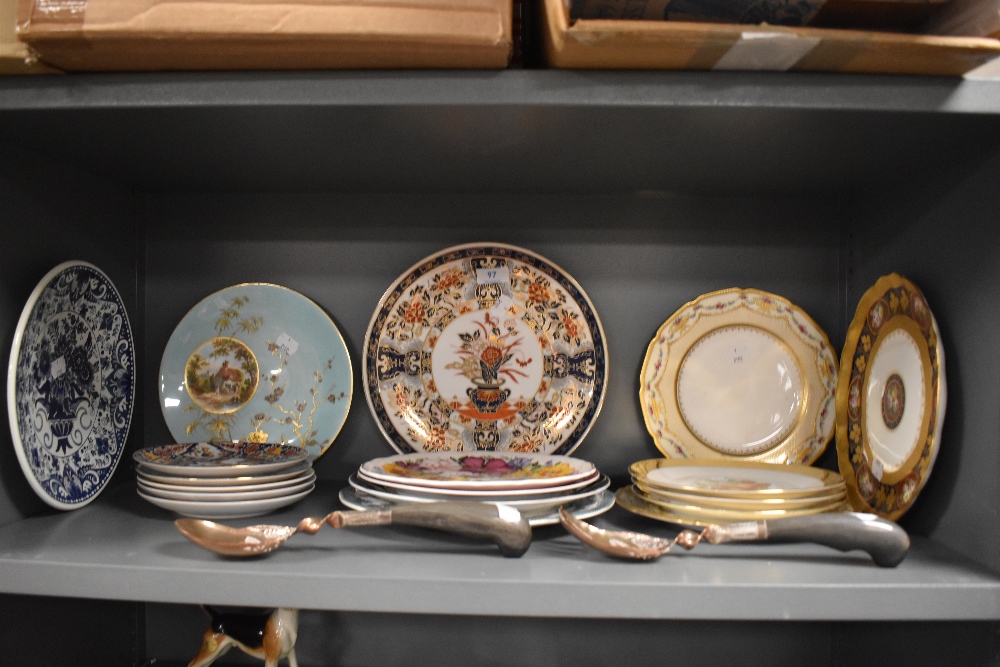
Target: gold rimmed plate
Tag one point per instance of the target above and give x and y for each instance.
(728, 515)
(736, 479)
(741, 504)
(740, 374)
(259, 363)
(485, 346)
(891, 398)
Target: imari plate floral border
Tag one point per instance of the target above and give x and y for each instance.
(259, 363)
(71, 384)
(891, 398)
(485, 346)
(740, 374)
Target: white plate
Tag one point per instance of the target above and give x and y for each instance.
(243, 480)
(306, 477)
(71, 385)
(479, 470)
(485, 346)
(228, 496)
(891, 399)
(581, 509)
(740, 374)
(219, 459)
(227, 510)
(459, 494)
(530, 505)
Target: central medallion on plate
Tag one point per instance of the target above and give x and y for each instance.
(485, 347)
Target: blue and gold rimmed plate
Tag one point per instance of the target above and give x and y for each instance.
(219, 459)
(485, 346)
(891, 398)
(71, 384)
(256, 363)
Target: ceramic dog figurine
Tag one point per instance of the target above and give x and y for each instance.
(268, 635)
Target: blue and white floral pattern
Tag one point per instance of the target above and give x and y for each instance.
(71, 384)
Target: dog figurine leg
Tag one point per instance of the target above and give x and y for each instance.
(268, 636)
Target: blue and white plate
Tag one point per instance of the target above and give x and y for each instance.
(256, 363)
(71, 384)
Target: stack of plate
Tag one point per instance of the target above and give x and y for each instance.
(223, 480)
(700, 492)
(536, 484)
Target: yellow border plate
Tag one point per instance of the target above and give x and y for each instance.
(893, 306)
(742, 315)
(742, 484)
(714, 514)
(740, 504)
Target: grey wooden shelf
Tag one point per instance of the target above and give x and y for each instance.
(122, 548)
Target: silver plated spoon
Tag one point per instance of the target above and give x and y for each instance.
(501, 524)
(884, 540)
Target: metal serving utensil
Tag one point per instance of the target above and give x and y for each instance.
(884, 540)
(501, 524)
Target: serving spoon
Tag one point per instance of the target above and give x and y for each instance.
(501, 524)
(884, 540)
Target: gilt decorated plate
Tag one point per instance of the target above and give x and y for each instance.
(749, 480)
(891, 398)
(234, 509)
(219, 459)
(256, 363)
(485, 347)
(71, 385)
(740, 374)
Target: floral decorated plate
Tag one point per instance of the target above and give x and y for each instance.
(497, 471)
(247, 477)
(740, 374)
(257, 363)
(230, 496)
(236, 509)
(891, 398)
(485, 347)
(523, 503)
(305, 476)
(71, 385)
(219, 459)
(582, 509)
(736, 479)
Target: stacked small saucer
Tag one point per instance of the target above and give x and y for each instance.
(223, 480)
(536, 484)
(699, 492)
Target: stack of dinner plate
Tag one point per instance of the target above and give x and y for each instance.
(223, 480)
(713, 491)
(536, 484)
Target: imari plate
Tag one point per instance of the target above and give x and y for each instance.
(219, 459)
(71, 384)
(740, 374)
(257, 363)
(891, 398)
(485, 347)
(479, 470)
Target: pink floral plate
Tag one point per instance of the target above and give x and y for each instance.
(219, 459)
(485, 347)
(479, 471)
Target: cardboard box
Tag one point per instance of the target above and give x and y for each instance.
(15, 57)
(638, 44)
(77, 35)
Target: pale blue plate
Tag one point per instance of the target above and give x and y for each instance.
(71, 385)
(257, 363)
